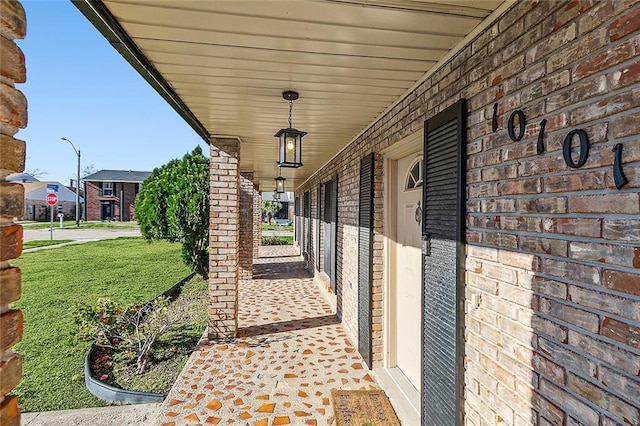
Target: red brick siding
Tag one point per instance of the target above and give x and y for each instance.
(551, 251)
(13, 116)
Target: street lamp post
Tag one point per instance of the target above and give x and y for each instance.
(77, 182)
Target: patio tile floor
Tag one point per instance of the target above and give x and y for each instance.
(291, 353)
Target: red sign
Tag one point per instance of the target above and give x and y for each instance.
(52, 199)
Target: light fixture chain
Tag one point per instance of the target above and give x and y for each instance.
(290, 113)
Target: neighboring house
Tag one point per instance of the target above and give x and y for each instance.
(111, 194)
(36, 207)
(22, 177)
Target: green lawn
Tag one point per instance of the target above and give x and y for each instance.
(42, 243)
(83, 225)
(277, 241)
(127, 269)
(274, 227)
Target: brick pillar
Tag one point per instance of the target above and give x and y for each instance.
(224, 238)
(13, 116)
(246, 225)
(257, 221)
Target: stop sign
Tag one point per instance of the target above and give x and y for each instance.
(52, 199)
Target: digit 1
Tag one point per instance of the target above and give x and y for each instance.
(540, 147)
(494, 120)
(618, 176)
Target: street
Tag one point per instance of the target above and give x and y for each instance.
(83, 235)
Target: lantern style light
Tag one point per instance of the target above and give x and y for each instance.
(290, 139)
(279, 183)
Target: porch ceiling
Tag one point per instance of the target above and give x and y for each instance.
(224, 64)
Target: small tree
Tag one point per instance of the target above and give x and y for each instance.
(173, 205)
(270, 208)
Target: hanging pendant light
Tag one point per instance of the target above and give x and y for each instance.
(290, 139)
(279, 183)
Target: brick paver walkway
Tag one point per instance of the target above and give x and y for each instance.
(292, 353)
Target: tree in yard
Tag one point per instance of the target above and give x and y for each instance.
(88, 170)
(173, 205)
(37, 173)
(270, 208)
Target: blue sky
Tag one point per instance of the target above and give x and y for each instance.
(79, 87)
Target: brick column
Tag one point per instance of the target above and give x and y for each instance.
(224, 238)
(257, 221)
(13, 116)
(246, 225)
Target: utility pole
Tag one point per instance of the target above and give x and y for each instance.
(77, 182)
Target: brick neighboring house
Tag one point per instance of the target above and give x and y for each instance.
(111, 194)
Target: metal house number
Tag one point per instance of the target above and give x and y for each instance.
(516, 133)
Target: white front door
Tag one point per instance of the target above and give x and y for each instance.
(408, 277)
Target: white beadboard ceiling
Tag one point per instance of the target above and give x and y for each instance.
(229, 62)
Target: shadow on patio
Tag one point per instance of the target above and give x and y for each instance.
(291, 353)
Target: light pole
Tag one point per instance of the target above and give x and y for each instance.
(77, 182)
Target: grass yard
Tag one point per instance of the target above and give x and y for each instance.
(127, 269)
(42, 243)
(277, 241)
(274, 227)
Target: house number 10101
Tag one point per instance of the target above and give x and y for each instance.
(516, 126)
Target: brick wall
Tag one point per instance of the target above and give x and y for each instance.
(13, 116)
(128, 200)
(246, 225)
(552, 250)
(257, 221)
(92, 202)
(224, 238)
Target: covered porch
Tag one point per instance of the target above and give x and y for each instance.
(467, 203)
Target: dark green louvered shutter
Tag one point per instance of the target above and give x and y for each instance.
(365, 258)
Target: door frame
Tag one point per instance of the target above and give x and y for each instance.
(409, 145)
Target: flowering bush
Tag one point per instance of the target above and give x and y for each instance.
(102, 322)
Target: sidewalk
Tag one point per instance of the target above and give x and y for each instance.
(292, 353)
(125, 415)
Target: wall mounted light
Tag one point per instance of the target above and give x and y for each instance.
(290, 139)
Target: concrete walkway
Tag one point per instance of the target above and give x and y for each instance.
(292, 352)
(126, 415)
